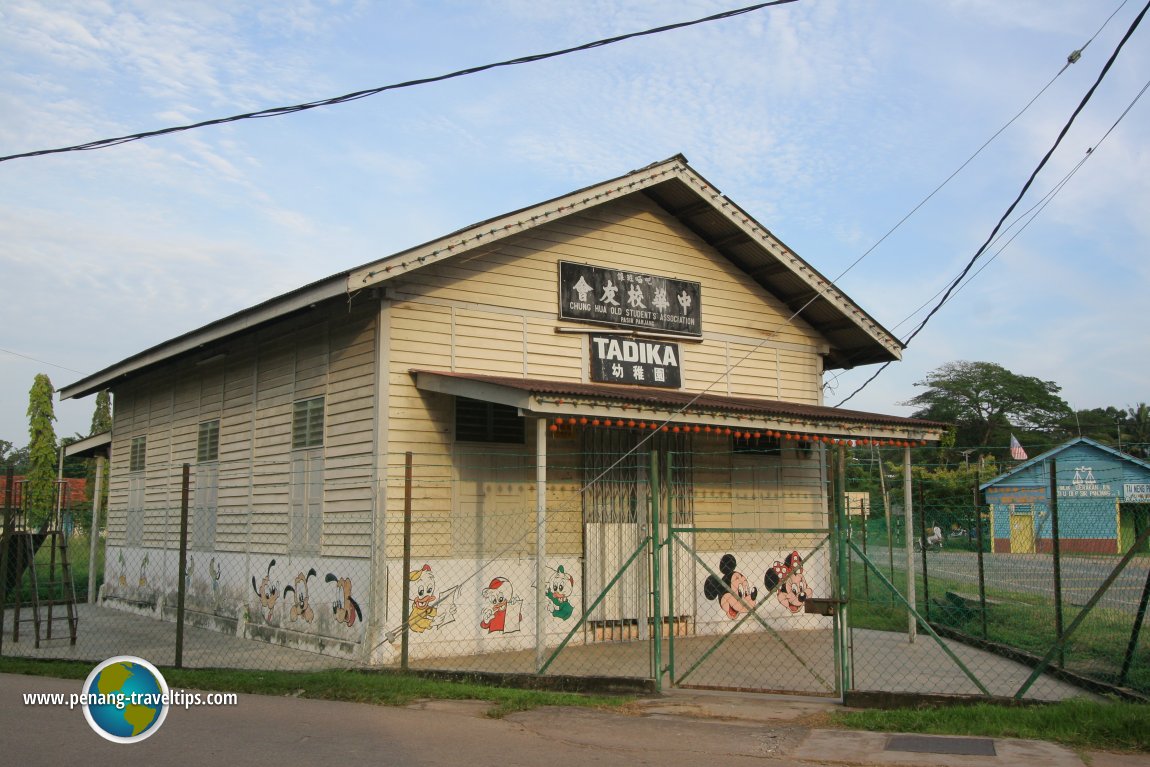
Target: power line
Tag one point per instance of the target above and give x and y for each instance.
(42, 362)
(1073, 58)
(1018, 198)
(281, 111)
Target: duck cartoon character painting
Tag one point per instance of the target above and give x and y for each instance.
(559, 589)
(501, 608)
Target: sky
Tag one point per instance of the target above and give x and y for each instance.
(827, 121)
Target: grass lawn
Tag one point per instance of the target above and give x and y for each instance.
(383, 688)
(1097, 649)
(1073, 723)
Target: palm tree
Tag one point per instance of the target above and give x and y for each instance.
(1138, 430)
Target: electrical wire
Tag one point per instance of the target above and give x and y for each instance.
(281, 111)
(42, 362)
(1018, 198)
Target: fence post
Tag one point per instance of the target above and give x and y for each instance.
(908, 527)
(839, 620)
(981, 561)
(864, 515)
(540, 542)
(925, 548)
(672, 618)
(94, 527)
(5, 544)
(1056, 553)
(181, 585)
(658, 611)
(405, 603)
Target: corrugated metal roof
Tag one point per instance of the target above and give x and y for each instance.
(670, 399)
(854, 337)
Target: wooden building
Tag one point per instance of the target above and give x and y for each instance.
(531, 364)
(1103, 500)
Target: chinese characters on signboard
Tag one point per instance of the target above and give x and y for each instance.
(629, 299)
(617, 359)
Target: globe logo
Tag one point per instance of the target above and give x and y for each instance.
(125, 699)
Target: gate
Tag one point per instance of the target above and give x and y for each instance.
(702, 607)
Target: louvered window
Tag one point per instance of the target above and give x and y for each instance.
(307, 423)
(208, 443)
(138, 456)
(478, 421)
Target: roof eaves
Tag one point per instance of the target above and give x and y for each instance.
(215, 331)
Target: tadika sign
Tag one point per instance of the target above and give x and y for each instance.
(634, 361)
(629, 299)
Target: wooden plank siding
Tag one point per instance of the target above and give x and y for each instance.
(494, 311)
(328, 352)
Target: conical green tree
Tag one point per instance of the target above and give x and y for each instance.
(40, 488)
(101, 422)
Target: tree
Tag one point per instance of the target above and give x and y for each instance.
(986, 402)
(1101, 424)
(40, 488)
(1137, 431)
(101, 422)
(16, 457)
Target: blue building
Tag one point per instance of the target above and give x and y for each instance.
(1103, 501)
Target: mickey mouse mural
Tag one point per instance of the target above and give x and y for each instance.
(787, 576)
(734, 592)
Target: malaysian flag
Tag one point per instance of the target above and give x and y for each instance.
(1016, 451)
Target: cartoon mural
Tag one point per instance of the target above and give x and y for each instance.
(735, 593)
(301, 597)
(267, 591)
(502, 610)
(344, 607)
(429, 609)
(215, 570)
(559, 590)
(144, 572)
(191, 569)
(787, 576)
(123, 579)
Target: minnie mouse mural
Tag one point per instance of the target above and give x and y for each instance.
(787, 577)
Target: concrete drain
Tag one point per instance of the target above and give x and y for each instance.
(934, 744)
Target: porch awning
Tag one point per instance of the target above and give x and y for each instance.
(640, 407)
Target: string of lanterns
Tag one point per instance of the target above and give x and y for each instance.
(572, 422)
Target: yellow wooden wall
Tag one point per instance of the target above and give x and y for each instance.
(494, 311)
(327, 352)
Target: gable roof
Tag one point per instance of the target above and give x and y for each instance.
(854, 337)
(1044, 457)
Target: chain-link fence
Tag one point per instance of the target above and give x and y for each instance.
(1016, 599)
(678, 558)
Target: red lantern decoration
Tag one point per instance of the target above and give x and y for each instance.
(583, 421)
(553, 427)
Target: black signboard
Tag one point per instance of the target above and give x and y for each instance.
(634, 361)
(629, 299)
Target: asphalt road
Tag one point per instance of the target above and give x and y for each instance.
(671, 732)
